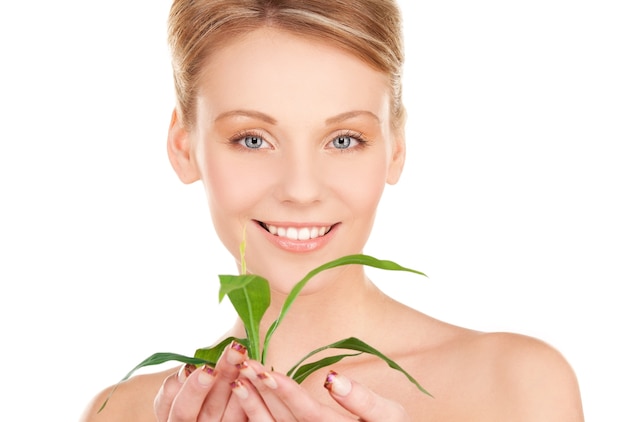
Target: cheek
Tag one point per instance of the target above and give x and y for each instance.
(231, 192)
(363, 186)
(230, 185)
(222, 184)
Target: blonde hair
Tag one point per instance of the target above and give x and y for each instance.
(369, 29)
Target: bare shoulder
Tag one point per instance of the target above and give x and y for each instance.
(528, 376)
(521, 358)
(131, 400)
(491, 377)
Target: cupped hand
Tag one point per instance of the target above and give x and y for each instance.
(202, 394)
(269, 396)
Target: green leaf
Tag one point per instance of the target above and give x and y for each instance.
(353, 343)
(242, 251)
(156, 359)
(303, 371)
(250, 296)
(213, 353)
(358, 259)
(159, 358)
(228, 283)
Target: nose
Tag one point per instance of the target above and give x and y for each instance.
(301, 177)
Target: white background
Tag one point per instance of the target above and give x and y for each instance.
(513, 199)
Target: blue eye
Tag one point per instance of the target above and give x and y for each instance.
(342, 142)
(252, 141)
(346, 141)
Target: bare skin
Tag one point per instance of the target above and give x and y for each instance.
(265, 161)
(472, 375)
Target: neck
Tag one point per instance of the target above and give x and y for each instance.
(348, 306)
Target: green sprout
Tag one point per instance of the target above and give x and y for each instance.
(250, 296)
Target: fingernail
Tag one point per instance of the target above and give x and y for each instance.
(236, 353)
(185, 371)
(239, 389)
(206, 375)
(337, 384)
(245, 370)
(268, 380)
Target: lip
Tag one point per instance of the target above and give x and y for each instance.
(298, 246)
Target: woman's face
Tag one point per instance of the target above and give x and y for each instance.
(292, 141)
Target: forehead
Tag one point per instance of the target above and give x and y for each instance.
(274, 69)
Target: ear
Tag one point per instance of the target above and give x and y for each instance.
(398, 154)
(179, 151)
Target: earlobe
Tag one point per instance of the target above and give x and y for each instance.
(179, 151)
(397, 159)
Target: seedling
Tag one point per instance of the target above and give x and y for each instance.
(250, 296)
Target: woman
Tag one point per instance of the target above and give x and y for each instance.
(290, 113)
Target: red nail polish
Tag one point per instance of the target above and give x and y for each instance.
(185, 371)
(328, 384)
(239, 389)
(238, 347)
(268, 380)
(208, 369)
(236, 354)
(337, 384)
(206, 375)
(189, 368)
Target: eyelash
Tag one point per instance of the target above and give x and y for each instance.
(236, 139)
(357, 136)
(362, 142)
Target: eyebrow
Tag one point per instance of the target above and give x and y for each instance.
(262, 116)
(247, 113)
(349, 115)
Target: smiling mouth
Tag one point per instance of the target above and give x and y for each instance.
(296, 233)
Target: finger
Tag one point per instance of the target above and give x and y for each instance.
(226, 372)
(361, 401)
(165, 397)
(234, 411)
(251, 402)
(196, 384)
(267, 387)
(288, 400)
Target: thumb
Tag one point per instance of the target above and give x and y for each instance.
(363, 402)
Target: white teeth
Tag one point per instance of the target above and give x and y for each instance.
(301, 233)
(304, 234)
